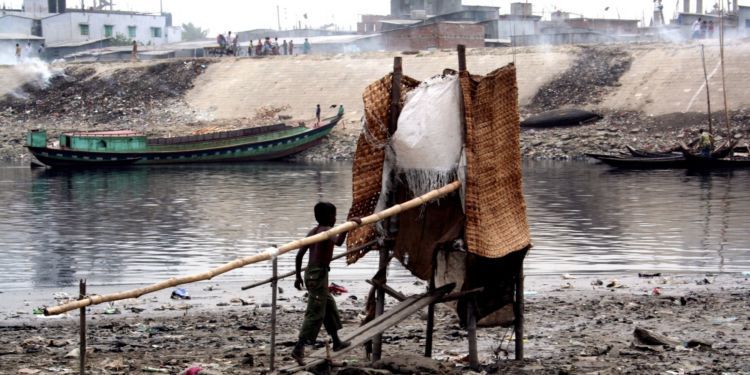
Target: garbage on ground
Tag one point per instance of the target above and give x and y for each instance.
(195, 370)
(649, 275)
(597, 282)
(656, 291)
(180, 293)
(645, 337)
(568, 276)
(614, 283)
(705, 281)
(337, 289)
(724, 320)
(38, 311)
(112, 311)
(527, 293)
(746, 273)
(154, 369)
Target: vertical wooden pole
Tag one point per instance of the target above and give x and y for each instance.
(431, 310)
(471, 328)
(82, 327)
(274, 290)
(708, 94)
(723, 76)
(395, 109)
(461, 58)
(518, 308)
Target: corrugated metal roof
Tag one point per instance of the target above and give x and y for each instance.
(16, 36)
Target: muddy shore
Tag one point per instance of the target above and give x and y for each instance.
(573, 325)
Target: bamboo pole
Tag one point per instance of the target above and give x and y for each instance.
(723, 77)
(273, 312)
(708, 94)
(263, 256)
(292, 273)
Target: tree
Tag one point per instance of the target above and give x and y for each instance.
(120, 40)
(192, 32)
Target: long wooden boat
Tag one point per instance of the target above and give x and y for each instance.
(124, 148)
(698, 162)
(649, 154)
(638, 162)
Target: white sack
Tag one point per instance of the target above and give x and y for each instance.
(429, 139)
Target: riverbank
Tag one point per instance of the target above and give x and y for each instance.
(573, 325)
(641, 105)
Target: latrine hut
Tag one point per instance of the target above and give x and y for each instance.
(418, 136)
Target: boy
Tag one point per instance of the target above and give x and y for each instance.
(321, 307)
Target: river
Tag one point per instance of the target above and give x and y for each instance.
(146, 224)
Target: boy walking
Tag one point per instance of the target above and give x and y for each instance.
(321, 307)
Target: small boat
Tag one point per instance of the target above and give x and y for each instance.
(694, 161)
(649, 154)
(124, 148)
(639, 162)
(560, 117)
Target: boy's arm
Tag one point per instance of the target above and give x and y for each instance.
(298, 268)
(341, 237)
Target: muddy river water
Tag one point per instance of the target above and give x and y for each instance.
(146, 224)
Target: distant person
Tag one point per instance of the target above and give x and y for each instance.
(697, 28)
(275, 47)
(28, 51)
(18, 52)
(704, 29)
(40, 51)
(711, 29)
(259, 48)
(306, 47)
(285, 46)
(705, 143)
(235, 49)
(134, 52)
(229, 43)
(222, 41)
(267, 47)
(291, 47)
(317, 115)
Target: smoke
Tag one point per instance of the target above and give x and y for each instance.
(28, 72)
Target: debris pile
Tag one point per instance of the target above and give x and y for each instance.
(106, 97)
(589, 78)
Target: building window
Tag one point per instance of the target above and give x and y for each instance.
(108, 31)
(156, 32)
(84, 28)
(747, 24)
(131, 32)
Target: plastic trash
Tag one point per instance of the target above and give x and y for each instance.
(38, 311)
(336, 289)
(180, 293)
(112, 311)
(568, 276)
(656, 291)
(193, 370)
(746, 273)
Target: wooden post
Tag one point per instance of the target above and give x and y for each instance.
(82, 327)
(431, 310)
(518, 307)
(461, 58)
(395, 109)
(471, 328)
(708, 94)
(274, 290)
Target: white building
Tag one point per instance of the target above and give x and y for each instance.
(58, 24)
(743, 21)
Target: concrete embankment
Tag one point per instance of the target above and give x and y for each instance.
(649, 94)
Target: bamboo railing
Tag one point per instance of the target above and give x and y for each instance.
(260, 257)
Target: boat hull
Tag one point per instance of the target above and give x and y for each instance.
(634, 162)
(256, 151)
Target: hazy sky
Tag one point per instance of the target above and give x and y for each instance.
(223, 15)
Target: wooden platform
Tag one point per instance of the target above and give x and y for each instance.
(365, 333)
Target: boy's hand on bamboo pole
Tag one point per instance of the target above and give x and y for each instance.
(356, 220)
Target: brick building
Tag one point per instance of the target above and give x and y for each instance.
(425, 36)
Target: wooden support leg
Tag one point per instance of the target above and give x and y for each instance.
(274, 290)
(82, 343)
(518, 308)
(431, 309)
(471, 327)
(377, 341)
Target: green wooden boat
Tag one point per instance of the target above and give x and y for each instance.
(123, 148)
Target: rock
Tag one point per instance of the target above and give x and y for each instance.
(362, 371)
(410, 364)
(650, 338)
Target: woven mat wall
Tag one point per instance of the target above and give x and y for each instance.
(367, 169)
(495, 208)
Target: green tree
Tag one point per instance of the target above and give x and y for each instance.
(120, 40)
(192, 32)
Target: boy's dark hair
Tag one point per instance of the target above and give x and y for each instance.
(700, 131)
(325, 213)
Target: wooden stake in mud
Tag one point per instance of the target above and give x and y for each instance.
(708, 95)
(471, 328)
(274, 290)
(723, 77)
(82, 343)
(431, 309)
(518, 307)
